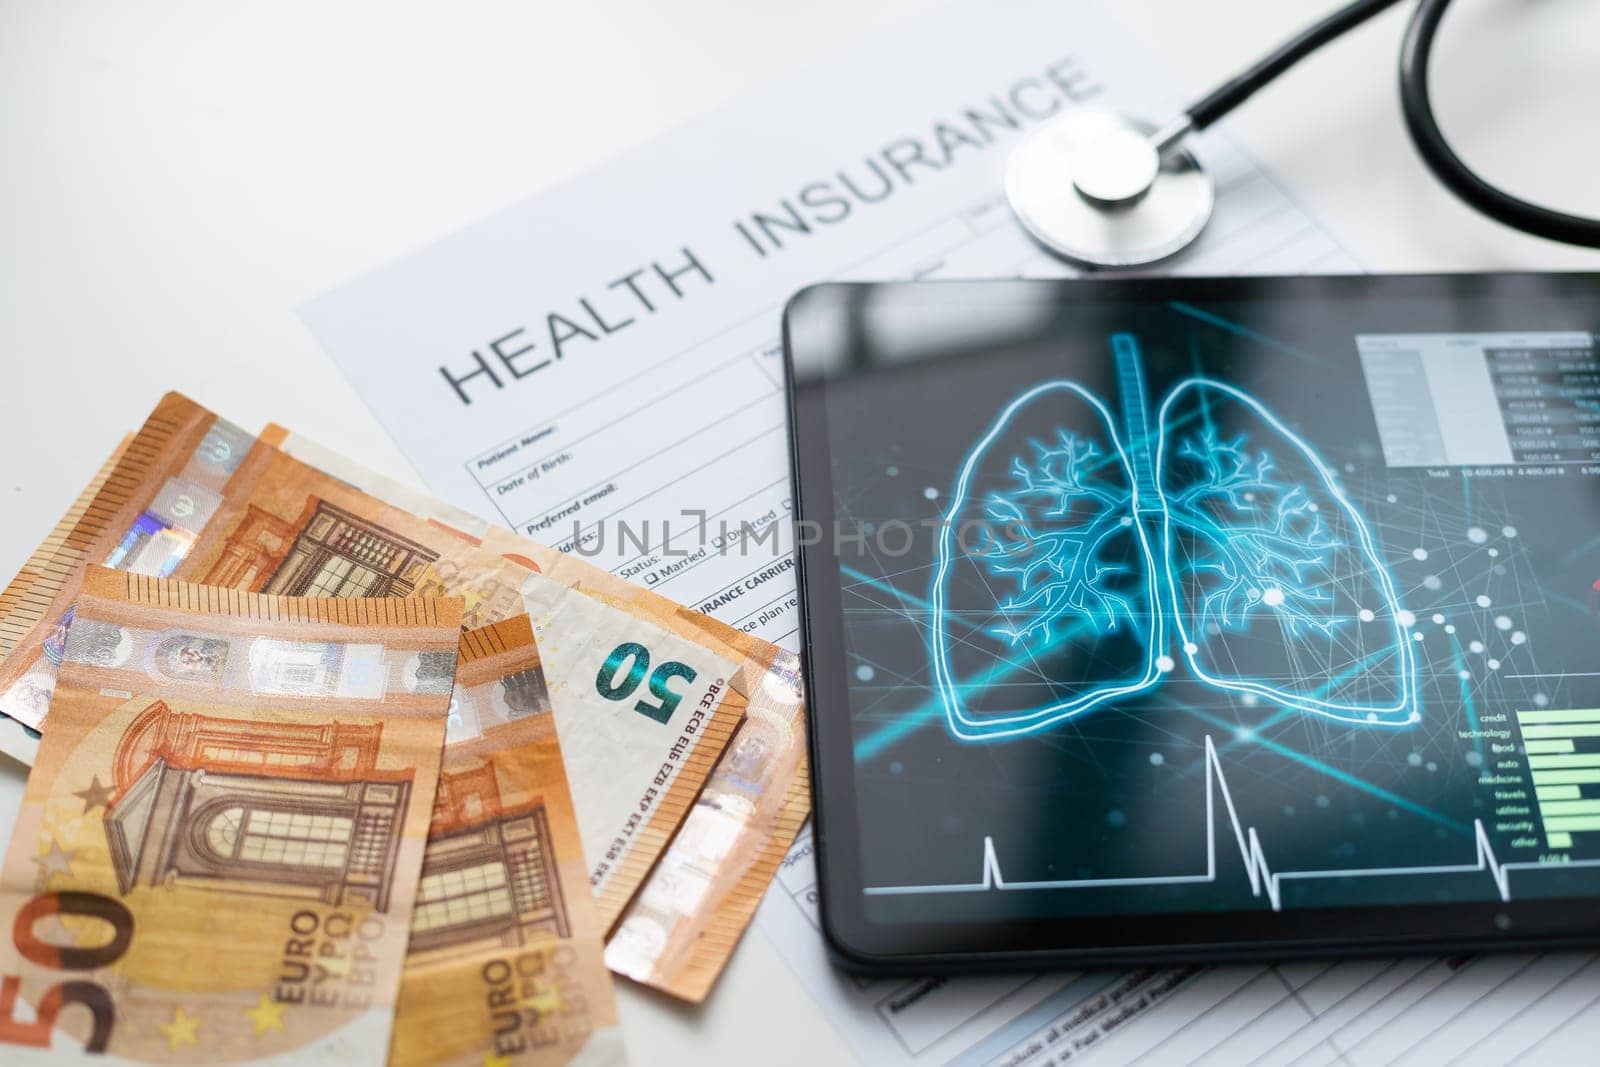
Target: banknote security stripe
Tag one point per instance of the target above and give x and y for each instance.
(255, 671)
(132, 632)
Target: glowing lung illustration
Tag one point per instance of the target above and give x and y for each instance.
(1275, 585)
(1044, 574)
(1073, 553)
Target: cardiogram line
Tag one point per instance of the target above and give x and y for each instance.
(1263, 879)
(1330, 771)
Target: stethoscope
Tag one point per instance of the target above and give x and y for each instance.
(1108, 190)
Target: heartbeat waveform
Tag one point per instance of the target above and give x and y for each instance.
(1263, 879)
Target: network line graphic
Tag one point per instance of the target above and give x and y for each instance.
(1208, 530)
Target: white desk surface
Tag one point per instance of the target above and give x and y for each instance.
(176, 176)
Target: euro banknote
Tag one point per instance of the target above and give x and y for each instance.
(196, 498)
(506, 961)
(218, 850)
(29, 592)
(677, 932)
(52, 550)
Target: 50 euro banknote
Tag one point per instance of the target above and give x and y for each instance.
(681, 843)
(506, 963)
(196, 498)
(218, 849)
(679, 929)
(193, 497)
(49, 559)
(31, 589)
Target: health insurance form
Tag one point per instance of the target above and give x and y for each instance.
(606, 353)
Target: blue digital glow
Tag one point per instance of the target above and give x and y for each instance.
(1284, 560)
(1056, 470)
(1247, 554)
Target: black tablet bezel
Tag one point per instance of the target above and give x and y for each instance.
(1134, 938)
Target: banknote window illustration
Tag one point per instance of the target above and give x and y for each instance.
(254, 807)
(336, 554)
(294, 838)
(337, 575)
(222, 833)
(322, 551)
(463, 896)
(487, 875)
(375, 829)
(1108, 551)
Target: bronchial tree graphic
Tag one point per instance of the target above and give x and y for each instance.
(1209, 535)
(1058, 567)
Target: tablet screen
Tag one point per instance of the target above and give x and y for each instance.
(1180, 598)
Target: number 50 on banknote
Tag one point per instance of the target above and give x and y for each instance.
(219, 847)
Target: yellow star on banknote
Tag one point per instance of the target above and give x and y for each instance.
(182, 1030)
(491, 1059)
(95, 795)
(55, 860)
(267, 1015)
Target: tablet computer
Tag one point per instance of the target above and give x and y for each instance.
(1161, 619)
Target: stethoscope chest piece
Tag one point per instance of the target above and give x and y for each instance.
(1091, 187)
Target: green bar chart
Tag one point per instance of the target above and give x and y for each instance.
(1563, 750)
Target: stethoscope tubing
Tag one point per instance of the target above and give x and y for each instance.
(1235, 91)
(1117, 233)
(1448, 167)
